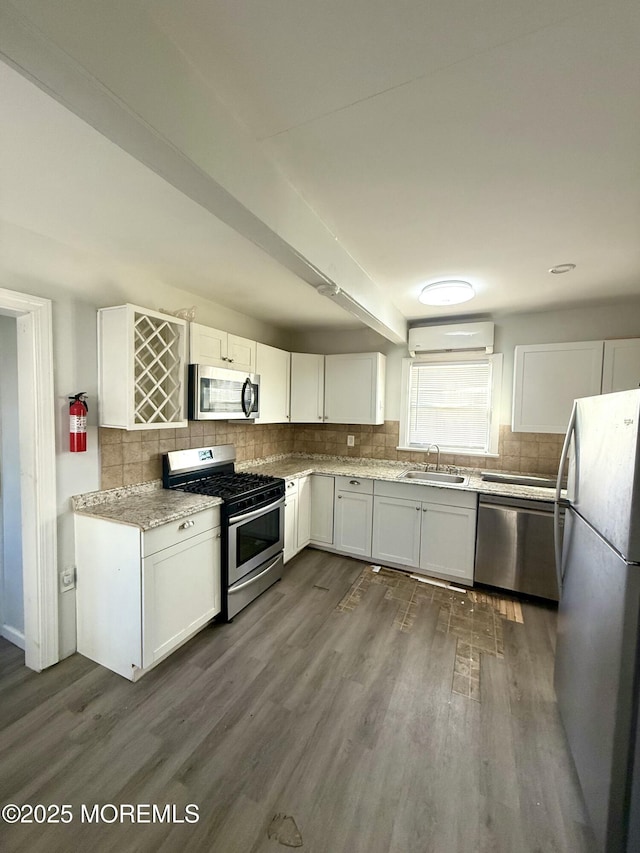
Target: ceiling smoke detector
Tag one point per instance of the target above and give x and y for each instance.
(446, 293)
(562, 268)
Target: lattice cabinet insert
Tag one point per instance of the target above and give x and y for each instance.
(141, 368)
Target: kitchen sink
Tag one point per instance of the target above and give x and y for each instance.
(433, 477)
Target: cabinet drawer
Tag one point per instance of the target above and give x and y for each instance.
(177, 531)
(291, 486)
(354, 484)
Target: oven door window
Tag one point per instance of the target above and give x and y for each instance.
(257, 536)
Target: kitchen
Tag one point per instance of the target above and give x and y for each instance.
(59, 244)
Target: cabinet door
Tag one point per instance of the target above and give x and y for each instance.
(353, 523)
(307, 387)
(290, 526)
(141, 368)
(548, 378)
(180, 593)
(207, 346)
(241, 353)
(273, 365)
(621, 368)
(396, 531)
(354, 388)
(304, 513)
(322, 509)
(447, 542)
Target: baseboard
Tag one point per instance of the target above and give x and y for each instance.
(13, 635)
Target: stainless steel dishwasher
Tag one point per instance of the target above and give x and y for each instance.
(514, 545)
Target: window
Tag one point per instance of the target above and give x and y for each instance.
(451, 401)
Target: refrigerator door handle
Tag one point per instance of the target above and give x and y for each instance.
(557, 504)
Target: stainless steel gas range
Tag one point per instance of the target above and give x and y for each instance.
(252, 516)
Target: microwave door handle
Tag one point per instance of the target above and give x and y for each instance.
(245, 408)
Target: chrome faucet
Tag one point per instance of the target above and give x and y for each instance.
(437, 457)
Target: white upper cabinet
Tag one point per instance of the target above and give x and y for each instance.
(141, 368)
(307, 388)
(548, 378)
(220, 349)
(338, 389)
(273, 366)
(354, 388)
(621, 369)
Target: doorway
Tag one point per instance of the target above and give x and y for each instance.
(37, 481)
(11, 592)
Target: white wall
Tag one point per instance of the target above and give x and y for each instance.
(11, 594)
(78, 283)
(603, 321)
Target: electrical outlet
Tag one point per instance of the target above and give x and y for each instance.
(68, 578)
(351, 441)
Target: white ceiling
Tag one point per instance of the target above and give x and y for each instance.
(62, 179)
(481, 139)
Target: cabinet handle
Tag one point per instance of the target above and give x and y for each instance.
(424, 510)
(339, 497)
(354, 482)
(319, 417)
(186, 524)
(417, 509)
(230, 360)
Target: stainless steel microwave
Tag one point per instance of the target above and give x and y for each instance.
(218, 393)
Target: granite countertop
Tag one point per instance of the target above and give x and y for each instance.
(145, 505)
(148, 505)
(379, 469)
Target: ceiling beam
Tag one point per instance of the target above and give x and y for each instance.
(117, 71)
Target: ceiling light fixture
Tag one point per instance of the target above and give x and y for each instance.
(446, 293)
(562, 268)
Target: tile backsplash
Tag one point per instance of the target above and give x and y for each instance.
(135, 456)
(129, 457)
(531, 453)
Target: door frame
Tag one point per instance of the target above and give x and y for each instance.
(37, 474)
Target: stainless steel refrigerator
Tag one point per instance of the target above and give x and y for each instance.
(597, 654)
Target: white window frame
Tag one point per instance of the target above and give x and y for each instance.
(496, 391)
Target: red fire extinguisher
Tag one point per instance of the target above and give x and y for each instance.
(78, 422)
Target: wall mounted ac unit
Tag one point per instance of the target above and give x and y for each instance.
(458, 336)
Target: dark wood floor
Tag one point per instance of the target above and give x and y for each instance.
(338, 720)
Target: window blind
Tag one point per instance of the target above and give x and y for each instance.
(450, 405)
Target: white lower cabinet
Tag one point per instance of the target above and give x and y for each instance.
(290, 519)
(297, 515)
(304, 513)
(428, 529)
(322, 509)
(448, 541)
(140, 595)
(396, 530)
(353, 516)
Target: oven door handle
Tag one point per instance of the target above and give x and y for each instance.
(233, 589)
(238, 519)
